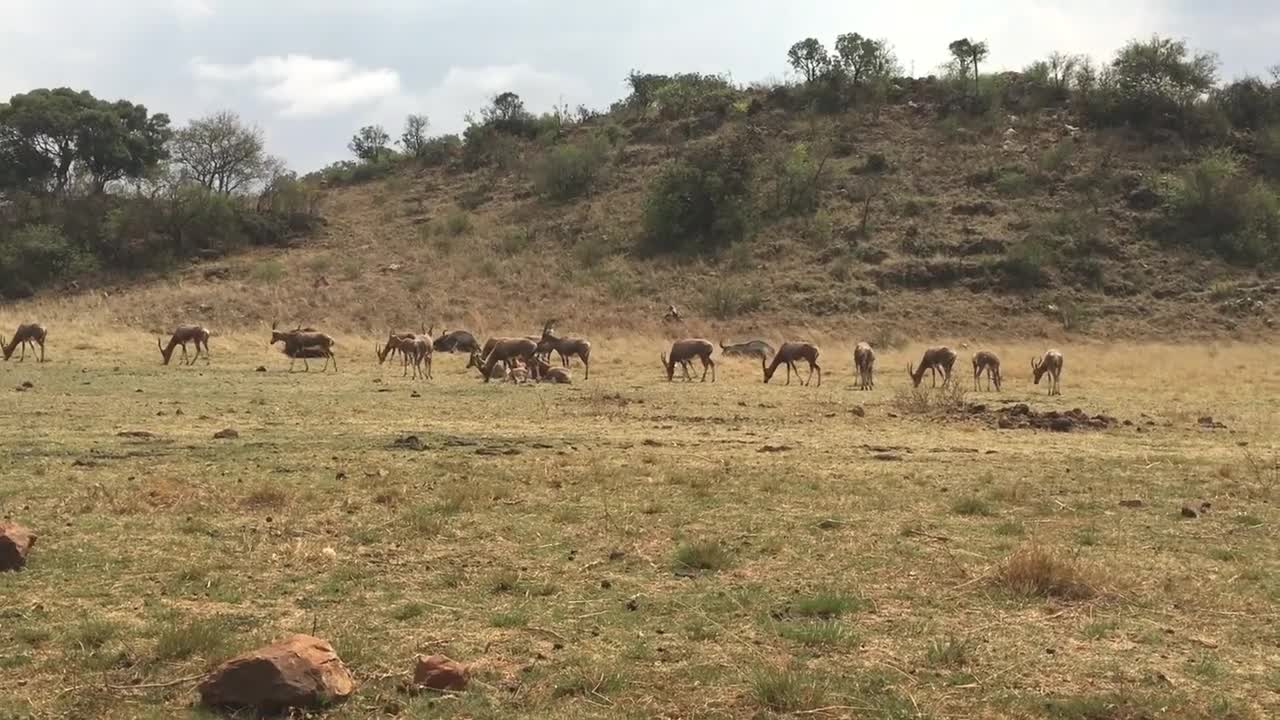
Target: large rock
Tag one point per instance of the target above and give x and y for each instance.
(15, 542)
(439, 673)
(298, 672)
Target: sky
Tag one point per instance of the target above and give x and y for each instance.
(309, 73)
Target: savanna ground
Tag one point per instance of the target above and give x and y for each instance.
(625, 547)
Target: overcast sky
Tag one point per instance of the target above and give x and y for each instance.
(310, 72)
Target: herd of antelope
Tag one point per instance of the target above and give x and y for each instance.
(528, 358)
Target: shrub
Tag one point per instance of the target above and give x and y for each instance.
(1056, 158)
(37, 254)
(1150, 85)
(1025, 266)
(730, 299)
(1013, 183)
(440, 150)
(1214, 207)
(1269, 151)
(1034, 571)
(797, 181)
(1249, 103)
(672, 97)
(568, 171)
(705, 555)
(701, 203)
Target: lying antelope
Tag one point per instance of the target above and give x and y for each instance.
(182, 335)
(788, 354)
(566, 348)
(1051, 363)
(683, 351)
(505, 350)
(936, 360)
(456, 341)
(751, 348)
(542, 372)
(303, 344)
(27, 335)
(985, 361)
(864, 362)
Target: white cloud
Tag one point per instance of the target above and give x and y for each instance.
(189, 10)
(301, 85)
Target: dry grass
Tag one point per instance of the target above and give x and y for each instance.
(1035, 571)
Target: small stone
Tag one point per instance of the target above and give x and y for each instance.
(408, 442)
(226, 434)
(15, 542)
(438, 672)
(27, 384)
(1135, 503)
(261, 368)
(415, 394)
(631, 604)
(887, 456)
(859, 411)
(298, 672)
(1189, 512)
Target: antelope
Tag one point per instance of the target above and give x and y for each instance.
(986, 361)
(301, 343)
(864, 361)
(558, 375)
(1050, 362)
(788, 354)
(517, 375)
(28, 334)
(419, 350)
(566, 347)
(673, 314)
(396, 342)
(751, 348)
(182, 335)
(935, 360)
(683, 351)
(505, 350)
(456, 341)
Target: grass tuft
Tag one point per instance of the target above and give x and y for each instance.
(707, 555)
(1035, 571)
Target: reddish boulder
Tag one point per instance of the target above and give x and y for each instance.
(15, 542)
(439, 673)
(298, 672)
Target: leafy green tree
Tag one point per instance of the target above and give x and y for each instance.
(120, 141)
(809, 58)
(370, 143)
(221, 153)
(41, 129)
(865, 59)
(414, 137)
(1155, 84)
(968, 54)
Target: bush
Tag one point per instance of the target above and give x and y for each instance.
(730, 299)
(1026, 265)
(702, 203)
(673, 97)
(38, 254)
(1249, 103)
(1152, 85)
(1035, 571)
(1269, 151)
(440, 150)
(568, 171)
(797, 181)
(1214, 207)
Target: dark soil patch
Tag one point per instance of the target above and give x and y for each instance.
(1022, 417)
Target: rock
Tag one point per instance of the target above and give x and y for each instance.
(1061, 424)
(414, 394)
(227, 434)
(1135, 503)
(1189, 512)
(773, 448)
(408, 442)
(1143, 199)
(859, 411)
(298, 672)
(139, 434)
(650, 442)
(439, 673)
(887, 456)
(261, 368)
(27, 384)
(15, 542)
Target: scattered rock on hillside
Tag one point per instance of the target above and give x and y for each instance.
(226, 434)
(1143, 198)
(1189, 512)
(261, 368)
(1208, 422)
(27, 384)
(1134, 503)
(138, 434)
(438, 672)
(408, 442)
(15, 542)
(298, 672)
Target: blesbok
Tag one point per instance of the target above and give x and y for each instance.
(556, 375)
(299, 343)
(396, 343)
(27, 334)
(1051, 363)
(936, 360)
(985, 361)
(456, 341)
(505, 350)
(182, 335)
(683, 351)
(751, 348)
(788, 354)
(864, 362)
(566, 348)
(418, 351)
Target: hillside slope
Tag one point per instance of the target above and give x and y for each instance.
(959, 217)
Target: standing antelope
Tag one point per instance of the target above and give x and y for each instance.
(864, 361)
(682, 351)
(418, 351)
(935, 360)
(28, 334)
(1050, 362)
(751, 348)
(505, 350)
(305, 344)
(566, 347)
(182, 335)
(986, 361)
(788, 354)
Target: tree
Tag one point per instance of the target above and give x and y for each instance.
(221, 153)
(969, 54)
(1155, 84)
(370, 143)
(41, 128)
(809, 58)
(119, 141)
(414, 137)
(864, 59)
(506, 114)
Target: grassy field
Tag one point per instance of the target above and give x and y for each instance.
(625, 547)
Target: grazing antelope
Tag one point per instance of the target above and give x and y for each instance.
(566, 347)
(28, 334)
(305, 343)
(936, 360)
(751, 348)
(683, 351)
(1050, 363)
(395, 343)
(864, 362)
(456, 341)
(986, 361)
(182, 335)
(788, 354)
(505, 350)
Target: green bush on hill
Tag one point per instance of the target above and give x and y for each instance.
(1213, 206)
(702, 203)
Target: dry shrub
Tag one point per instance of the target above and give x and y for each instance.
(1035, 571)
(946, 399)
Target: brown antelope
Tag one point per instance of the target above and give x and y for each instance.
(1051, 363)
(418, 351)
(397, 343)
(182, 335)
(751, 348)
(683, 351)
(788, 354)
(566, 347)
(301, 342)
(556, 375)
(456, 341)
(505, 350)
(936, 360)
(986, 361)
(27, 334)
(864, 362)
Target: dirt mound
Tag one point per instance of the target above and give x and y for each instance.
(1022, 417)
